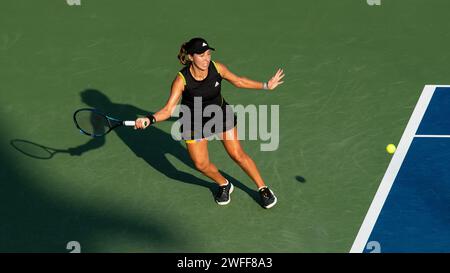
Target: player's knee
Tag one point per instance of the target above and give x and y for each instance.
(239, 157)
(202, 165)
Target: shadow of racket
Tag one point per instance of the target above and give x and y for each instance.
(35, 150)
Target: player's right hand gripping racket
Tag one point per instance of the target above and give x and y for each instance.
(96, 124)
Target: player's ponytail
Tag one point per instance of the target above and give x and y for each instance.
(183, 55)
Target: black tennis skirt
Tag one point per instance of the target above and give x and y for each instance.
(221, 119)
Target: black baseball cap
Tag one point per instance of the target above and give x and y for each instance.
(197, 46)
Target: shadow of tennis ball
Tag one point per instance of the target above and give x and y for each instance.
(300, 179)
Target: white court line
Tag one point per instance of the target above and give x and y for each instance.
(443, 136)
(392, 170)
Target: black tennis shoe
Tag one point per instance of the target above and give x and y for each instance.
(268, 199)
(223, 194)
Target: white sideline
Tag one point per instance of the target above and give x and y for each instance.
(393, 168)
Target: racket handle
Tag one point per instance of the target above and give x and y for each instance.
(129, 123)
(132, 123)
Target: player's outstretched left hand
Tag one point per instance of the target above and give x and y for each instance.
(276, 79)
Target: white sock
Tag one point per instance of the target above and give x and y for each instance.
(262, 188)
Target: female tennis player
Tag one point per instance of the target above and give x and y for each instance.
(201, 79)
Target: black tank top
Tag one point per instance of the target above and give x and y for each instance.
(209, 89)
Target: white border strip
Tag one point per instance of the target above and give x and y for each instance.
(432, 136)
(393, 168)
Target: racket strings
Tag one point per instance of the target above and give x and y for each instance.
(92, 123)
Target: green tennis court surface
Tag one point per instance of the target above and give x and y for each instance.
(354, 73)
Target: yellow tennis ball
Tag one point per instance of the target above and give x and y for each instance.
(390, 148)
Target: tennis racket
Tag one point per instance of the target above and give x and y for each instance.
(96, 124)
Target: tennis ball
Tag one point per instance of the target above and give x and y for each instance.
(390, 148)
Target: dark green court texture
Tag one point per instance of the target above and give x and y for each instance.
(354, 73)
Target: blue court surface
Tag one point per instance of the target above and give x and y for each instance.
(411, 209)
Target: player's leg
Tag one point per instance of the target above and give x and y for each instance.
(198, 151)
(236, 152)
(234, 149)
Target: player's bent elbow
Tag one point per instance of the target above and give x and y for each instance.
(239, 83)
(171, 110)
(166, 113)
